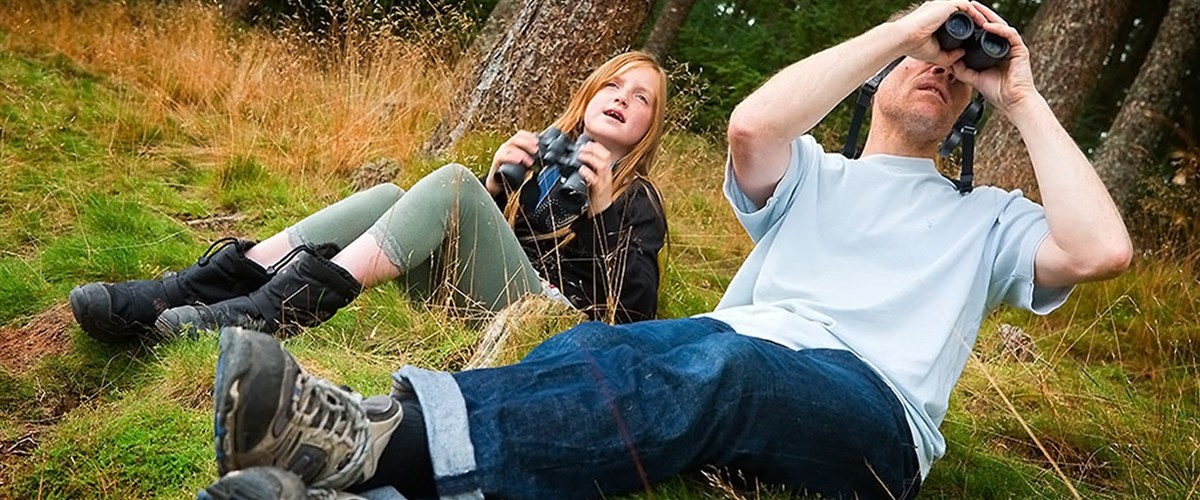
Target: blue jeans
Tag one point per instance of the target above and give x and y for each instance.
(602, 410)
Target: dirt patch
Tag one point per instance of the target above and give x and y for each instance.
(15, 452)
(21, 347)
(45, 334)
(1090, 464)
(220, 224)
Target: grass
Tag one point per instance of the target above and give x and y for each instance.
(134, 133)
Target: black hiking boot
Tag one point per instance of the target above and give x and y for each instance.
(269, 412)
(304, 294)
(127, 311)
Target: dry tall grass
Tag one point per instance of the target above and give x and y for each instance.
(296, 104)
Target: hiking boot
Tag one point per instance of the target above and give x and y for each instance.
(267, 483)
(256, 483)
(304, 294)
(269, 411)
(127, 311)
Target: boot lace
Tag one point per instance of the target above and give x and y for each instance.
(216, 246)
(331, 418)
(324, 250)
(287, 258)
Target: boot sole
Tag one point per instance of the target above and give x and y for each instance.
(254, 364)
(171, 323)
(254, 488)
(84, 300)
(192, 320)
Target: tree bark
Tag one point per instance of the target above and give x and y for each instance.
(1142, 123)
(526, 78)
(495, 27)
(666, 27)
(1067, 40)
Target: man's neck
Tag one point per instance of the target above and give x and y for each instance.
(886, 141)
(886, 137)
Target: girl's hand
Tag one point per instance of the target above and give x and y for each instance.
(518, 150)
(597, 173)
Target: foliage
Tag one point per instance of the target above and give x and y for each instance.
(1168, 217)
(735, 45)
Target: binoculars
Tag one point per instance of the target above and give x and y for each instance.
(555, 149)
(984, 49)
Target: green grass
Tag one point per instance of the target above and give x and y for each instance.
(135, 447)
(97, 185)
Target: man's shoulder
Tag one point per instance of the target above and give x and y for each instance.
(1003, 197)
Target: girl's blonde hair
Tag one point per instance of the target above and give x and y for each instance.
(638, 161)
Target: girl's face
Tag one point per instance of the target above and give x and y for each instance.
(619, 115)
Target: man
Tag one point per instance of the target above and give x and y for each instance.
(828, 364)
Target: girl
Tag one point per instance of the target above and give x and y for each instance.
(448, 229)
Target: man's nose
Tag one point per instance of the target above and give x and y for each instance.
(941, 70)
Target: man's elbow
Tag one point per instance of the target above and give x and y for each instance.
(743, 130)
(1119, 258)
(1108, 261)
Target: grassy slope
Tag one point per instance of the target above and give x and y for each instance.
(99, 174)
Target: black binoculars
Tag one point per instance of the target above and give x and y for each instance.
(555, 149)
(984, 49)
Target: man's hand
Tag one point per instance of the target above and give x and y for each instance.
(1009, 83)
(1088, 239)
(798, 97)
(920, 25)
(518, 150)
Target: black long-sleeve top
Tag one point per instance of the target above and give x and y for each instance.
(609, 269)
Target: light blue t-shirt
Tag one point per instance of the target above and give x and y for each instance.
(882, 256)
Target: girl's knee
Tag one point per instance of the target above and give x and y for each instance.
(386, 189)
(453, 172)
(450, 182)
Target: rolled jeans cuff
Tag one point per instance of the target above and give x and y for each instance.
(446, 429)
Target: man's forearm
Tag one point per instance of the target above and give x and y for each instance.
(1083, 219)
(798, 97)
(794, 100)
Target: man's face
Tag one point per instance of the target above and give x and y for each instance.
(922, 99)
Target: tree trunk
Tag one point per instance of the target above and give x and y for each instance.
(1067, 40)
(495, 27)
(666, 27)
(1141, 125)
(526, 78)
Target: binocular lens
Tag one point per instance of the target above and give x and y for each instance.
(959, 26)
(993, 45)
(983, 49)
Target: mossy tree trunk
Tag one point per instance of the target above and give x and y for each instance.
(1067, 40)
(527, 76)
(495, 27)
(1146, 114)
(666, 27)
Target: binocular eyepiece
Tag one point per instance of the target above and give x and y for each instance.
(555, 149)
(984, 49)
